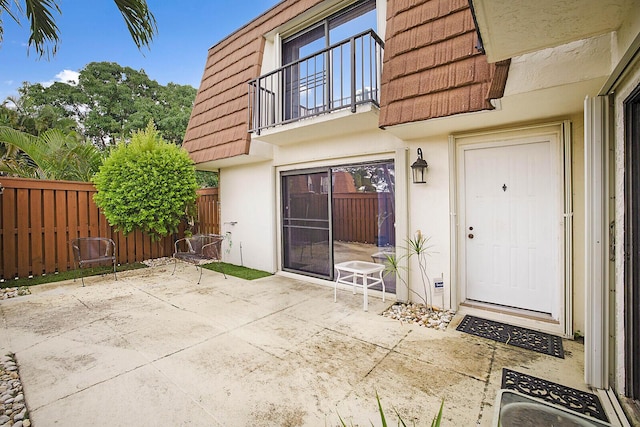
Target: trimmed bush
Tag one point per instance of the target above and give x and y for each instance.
(147, 185)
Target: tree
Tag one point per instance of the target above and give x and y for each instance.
(147, 184)
(44, 34)
(111, 101)
(53, 154)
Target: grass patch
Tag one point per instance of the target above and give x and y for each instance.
(237, 271)
(67, 275)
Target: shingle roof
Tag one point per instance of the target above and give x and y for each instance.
(431, 65)
(431, 69)
(218, 127)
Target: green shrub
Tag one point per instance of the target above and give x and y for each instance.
(147, 185)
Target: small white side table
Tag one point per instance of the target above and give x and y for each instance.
(369, 273)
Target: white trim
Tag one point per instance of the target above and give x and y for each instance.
(453, 224)
(568, 228)
(596, 352)
(401, 166)
(612, 408)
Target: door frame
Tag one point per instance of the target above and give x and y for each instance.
(562, 311)
(631, 244)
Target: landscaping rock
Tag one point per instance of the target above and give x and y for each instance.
(6, 293)
(420, 315)
(13, 410)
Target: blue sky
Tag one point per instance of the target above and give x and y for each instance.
(93, 31)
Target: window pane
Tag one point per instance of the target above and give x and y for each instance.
(303, 44)
(305, 224)
(355, 21)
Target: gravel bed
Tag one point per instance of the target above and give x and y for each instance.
(420, 315)
(13, 409)
(157, 262)
(6, 293)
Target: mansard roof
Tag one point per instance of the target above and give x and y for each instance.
(431, 69)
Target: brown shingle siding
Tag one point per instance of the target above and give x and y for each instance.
(218, 127)
(431, 66)
(431, 69)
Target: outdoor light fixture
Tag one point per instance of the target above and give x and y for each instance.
(419, 169)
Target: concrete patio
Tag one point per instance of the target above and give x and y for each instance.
(156, 349)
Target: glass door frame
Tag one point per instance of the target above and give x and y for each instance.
(283, 216)
(329, 173)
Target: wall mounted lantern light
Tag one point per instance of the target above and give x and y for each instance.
(419, 169)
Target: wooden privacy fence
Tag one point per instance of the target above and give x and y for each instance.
(364, 217)
(38, 218)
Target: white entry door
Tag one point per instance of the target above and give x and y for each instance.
(511, 222)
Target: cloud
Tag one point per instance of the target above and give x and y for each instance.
(65, 76)
(68, 76)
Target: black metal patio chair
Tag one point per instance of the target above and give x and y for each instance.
(93, 251)
(199, 249)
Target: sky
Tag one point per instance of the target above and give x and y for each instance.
(94, 31)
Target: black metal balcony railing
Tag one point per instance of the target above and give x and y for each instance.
(341, 76)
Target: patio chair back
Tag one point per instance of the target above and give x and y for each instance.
(92, 251)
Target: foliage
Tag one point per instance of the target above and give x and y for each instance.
(110, 101)
(146, 184)
(45, 35)
(52, 155)
(237, 271)
(374, 177)
(17, 114)
(417, 246)
(437, 420)
(207, 179)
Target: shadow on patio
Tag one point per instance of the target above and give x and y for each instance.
(157, 349)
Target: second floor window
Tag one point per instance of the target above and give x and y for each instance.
(331, 65)
(355, 19)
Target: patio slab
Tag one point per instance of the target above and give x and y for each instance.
(157, 349)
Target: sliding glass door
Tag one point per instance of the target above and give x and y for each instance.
(337, 214)
(306, 226)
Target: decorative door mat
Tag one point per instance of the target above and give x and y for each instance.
(575, 400)
(514, 335)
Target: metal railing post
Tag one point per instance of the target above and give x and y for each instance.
(353, 74)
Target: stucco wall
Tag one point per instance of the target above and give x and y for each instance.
(252, 237)
(429, 213)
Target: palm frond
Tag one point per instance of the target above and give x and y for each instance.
(43, 26)
(140, 21)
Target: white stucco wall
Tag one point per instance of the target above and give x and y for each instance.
(252, 237)
(558, 66)
(429, 213)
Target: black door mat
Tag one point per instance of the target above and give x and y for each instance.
(513, 335)
(573, 399)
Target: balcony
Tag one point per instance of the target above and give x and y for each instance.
(340, 77)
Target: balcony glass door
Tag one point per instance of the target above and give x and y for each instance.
(322, 81)
(305, 82)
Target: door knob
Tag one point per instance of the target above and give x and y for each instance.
(470, 235)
